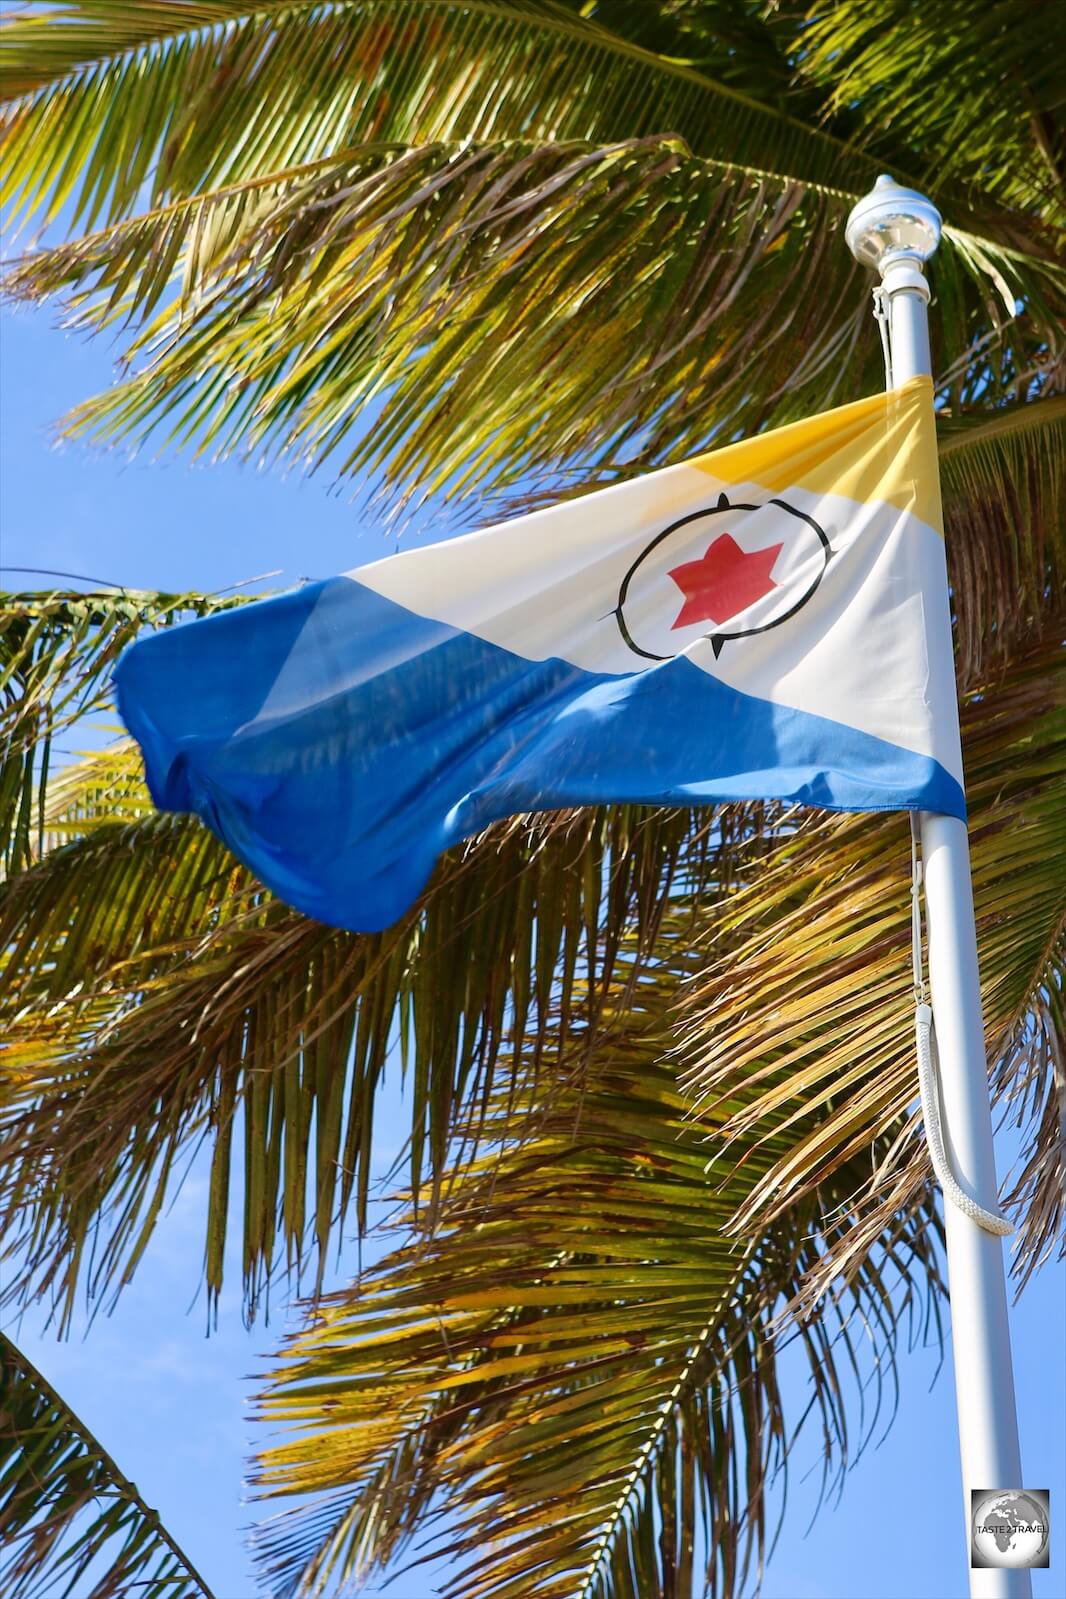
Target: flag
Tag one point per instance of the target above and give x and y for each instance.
(766, 621)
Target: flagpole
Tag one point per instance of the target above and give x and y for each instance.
(896, 230)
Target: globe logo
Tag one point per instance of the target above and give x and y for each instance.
(1010, 1528)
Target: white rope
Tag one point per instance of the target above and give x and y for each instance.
(993, 1221)
(881, 312)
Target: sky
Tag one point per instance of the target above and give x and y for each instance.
(171, 1403)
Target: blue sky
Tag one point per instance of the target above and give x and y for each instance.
(170, 1403)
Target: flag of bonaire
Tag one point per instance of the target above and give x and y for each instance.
(769, 620)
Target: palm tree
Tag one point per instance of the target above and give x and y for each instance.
(660, 1062)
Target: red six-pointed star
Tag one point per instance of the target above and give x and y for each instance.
(724, 581)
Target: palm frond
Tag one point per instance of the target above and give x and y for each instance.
(1030, 1083)
(71, 1525)
(580, 1364)
(274, 319)
(569, 176)
(820, 936)
(523, 244)
(56, 656)
(1003, 475)
(100, 788)
(154, 996)
(179, 999)
(513, 252)
(886, 66)
(106, 99)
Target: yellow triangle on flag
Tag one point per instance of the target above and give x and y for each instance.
(882, 449)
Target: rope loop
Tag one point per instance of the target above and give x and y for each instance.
(881, 312)
(993, 1221)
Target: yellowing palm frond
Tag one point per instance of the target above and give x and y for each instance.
(153, 994)
(579, 1368)
(275, 318)
(810, 1004)
(503, 172)
(536, 248)
(155, 1011)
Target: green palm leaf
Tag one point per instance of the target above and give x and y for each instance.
(244, 1009)
(356, 184)
(887, 65)
(1003, 475)
(535, 252)
(235, 991)
(56, 656)
(273, 319)
(71, 1525)
(106, 98)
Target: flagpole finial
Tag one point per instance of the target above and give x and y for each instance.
(893, 227)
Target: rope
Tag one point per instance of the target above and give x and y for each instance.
(993, 1221)
(881, 313)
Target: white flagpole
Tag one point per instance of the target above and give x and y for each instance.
(896, 230)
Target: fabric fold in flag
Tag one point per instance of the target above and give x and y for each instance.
(766, 621)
